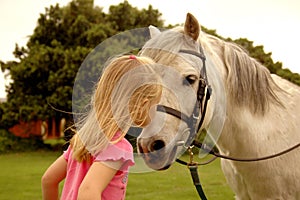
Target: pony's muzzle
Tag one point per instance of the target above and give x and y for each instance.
(154, 153)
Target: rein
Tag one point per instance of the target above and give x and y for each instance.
(218, 155)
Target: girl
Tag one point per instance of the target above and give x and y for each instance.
(95, 166)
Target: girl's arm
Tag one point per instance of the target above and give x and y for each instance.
(52, 177)
(96, 180)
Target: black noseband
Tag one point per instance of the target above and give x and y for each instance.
(173, 112)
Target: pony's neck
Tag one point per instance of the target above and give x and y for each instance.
(237, 134)
(246, 134)
(248, 82)
(249, 91)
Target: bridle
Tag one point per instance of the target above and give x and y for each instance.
(203, 95)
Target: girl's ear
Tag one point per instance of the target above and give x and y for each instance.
(146, 104)
(145, 101)
(141, 119)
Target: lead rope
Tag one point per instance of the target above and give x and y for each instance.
(193, 167)
(196, 180)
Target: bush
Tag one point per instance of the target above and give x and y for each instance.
(12, 143)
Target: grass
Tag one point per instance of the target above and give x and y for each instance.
(176, 183)
(20, 175)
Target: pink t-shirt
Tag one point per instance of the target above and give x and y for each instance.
(116, 189)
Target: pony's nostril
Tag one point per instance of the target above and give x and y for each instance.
(157, 145)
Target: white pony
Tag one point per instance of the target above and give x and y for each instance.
(256, 113)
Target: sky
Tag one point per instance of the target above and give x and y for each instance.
(271, 23)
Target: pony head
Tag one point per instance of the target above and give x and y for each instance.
(181, 66)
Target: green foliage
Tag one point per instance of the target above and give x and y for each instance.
(44, 76)
(134, 17)
(11, 143)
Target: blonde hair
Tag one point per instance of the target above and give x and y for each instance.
(117, 104)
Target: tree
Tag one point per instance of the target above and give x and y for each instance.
(43, 77)
(125, 17)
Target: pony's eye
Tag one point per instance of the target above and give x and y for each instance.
(191, 79)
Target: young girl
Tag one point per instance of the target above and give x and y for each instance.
(95, 166)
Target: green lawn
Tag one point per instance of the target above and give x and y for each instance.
(20, 175)
(176, 183)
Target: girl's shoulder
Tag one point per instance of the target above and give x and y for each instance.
(124, 144)
(120, 151)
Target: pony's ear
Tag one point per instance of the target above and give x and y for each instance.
(191, 26)
(153, 31)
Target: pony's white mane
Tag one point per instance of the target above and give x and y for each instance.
(248, 81)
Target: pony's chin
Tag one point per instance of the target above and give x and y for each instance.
(161, 167)
(164, 168)
(157, 164)
(160, 162)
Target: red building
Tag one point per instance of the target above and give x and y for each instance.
(46, 129)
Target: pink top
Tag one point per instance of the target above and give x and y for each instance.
(116, 189)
